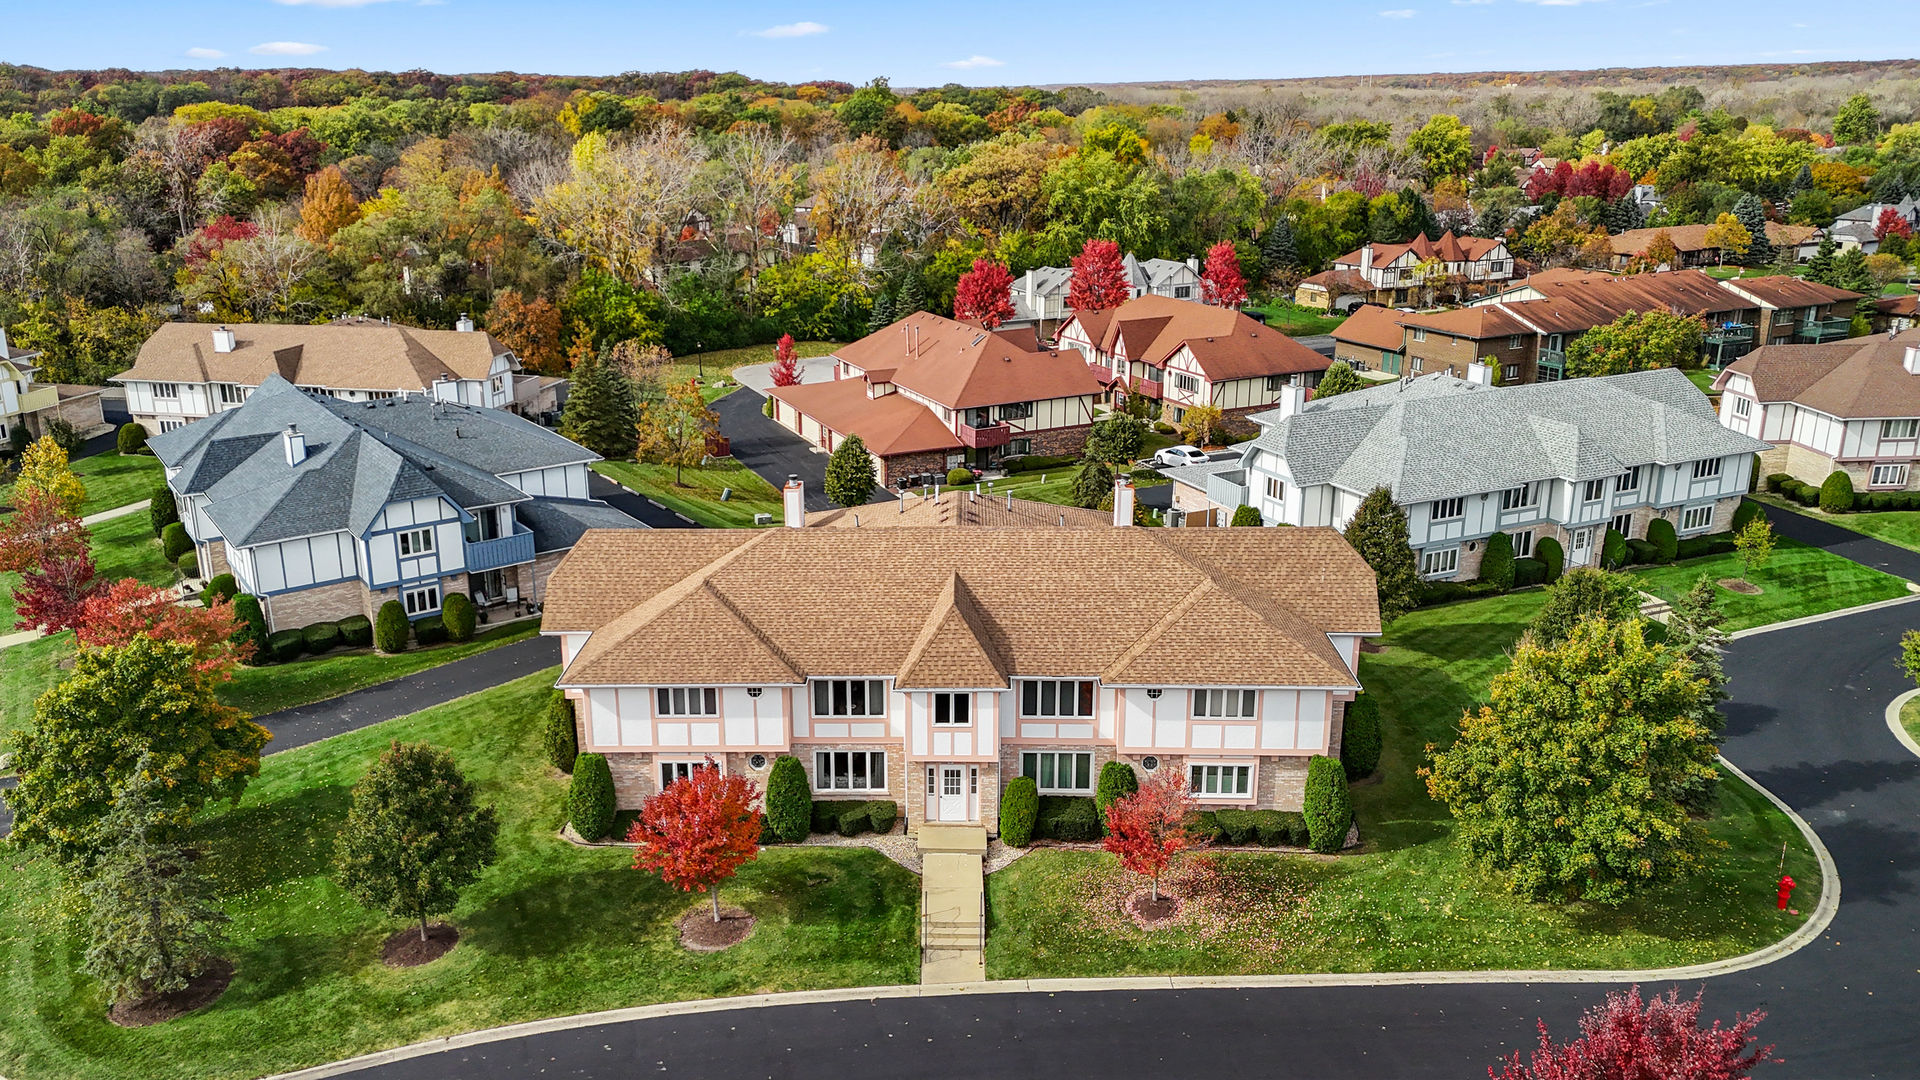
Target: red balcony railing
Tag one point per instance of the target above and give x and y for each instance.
(986, 437)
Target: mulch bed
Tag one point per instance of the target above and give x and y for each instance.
(700, 933)
(158, 1008)
(1150, 914)
(1744, 588)
(405, 949)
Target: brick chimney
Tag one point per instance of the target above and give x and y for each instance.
(793, 502)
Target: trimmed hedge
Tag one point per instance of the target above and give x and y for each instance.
(1241, 828)
(1360, 741)
(285, 645)
(883, 813)
(1552, 556)
(590, 800)
(1020, 810)
(1666, 545)
(220, 587)
(1038, 462)
(1836, 493)
(162, 511)
(1446, 592)
(1744, 514)
(1777, 482)
(188, 563)
(320, 637)
(390, 629)
(1529, 571)
(130, 439)
(1712, 544)
(1204, 828)
(1642, 552)
(851, 817)
(1496, 563)
(1328, 806)
(558, 735)
(789, 800)
(431, 630)
(357, 631)
(1613, 550)
(174, 542)
(1236, 826)
(1068, 817)
(253, 626)
(460, 616)
(1117, 780)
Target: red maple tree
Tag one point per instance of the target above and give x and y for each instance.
(699, 830)
(1220, 280)
(984, 294)
(1149, 827)
(786, 368)
(1660, 1040)
(216, 234)
(130, 607)
(1099, 279)
(50, 550)
(1890, 223)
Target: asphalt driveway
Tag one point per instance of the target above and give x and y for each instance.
(771, 451)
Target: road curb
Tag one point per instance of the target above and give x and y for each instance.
(1823, 617)
(1804, 935)
(1893, 721)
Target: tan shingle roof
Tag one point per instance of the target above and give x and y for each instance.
(1217, 606)
(350, 355)
(1858, 378)
(960, 508)
(1694, 237)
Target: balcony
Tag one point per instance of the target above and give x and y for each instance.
(1228, 488)
(1815, 331)
(1149, 388)
(1552, 365)
(984, 436)
(502, 551)
(1729, 334)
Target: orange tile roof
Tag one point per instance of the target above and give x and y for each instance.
(1226, 343)
(963, 366)
(889, 424)
(1373, 326)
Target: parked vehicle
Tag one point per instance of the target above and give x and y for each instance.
(1176, 456)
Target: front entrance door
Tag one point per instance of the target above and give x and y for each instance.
(1581, 552)
(953, 793)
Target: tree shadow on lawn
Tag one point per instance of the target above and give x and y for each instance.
(263, 844)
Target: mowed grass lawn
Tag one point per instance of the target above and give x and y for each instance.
(1296, 321)
(1910, 717)
(550, 930)
(1409, 899)
(1900, 528)
(718, 366)
(1797, 581)
(697, 495)
(112, 480)
(272, 687)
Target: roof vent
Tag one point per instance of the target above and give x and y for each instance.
(294, 441)
(465, 325)
(1912, 360)
(223, 340)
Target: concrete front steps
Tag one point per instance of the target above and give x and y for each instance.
(953, 910)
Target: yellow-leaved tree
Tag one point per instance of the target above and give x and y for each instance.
(44, 468)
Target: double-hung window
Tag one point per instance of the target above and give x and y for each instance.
(1899, 429)
(1622, 524)
(416, 542)
(1439, 561)
(1449, 509)
(849, 697)
(850, 770)
(421, 601)
(1019, 410)
(1186, 383)
(1628, 481)
(1419, 334)
(1695, 518)
(1513, 341)
(1595, 491)
(1523, 544)
(1743, 408)
(1520, 498)
(232, 393)
(1058, 772)
(1220, 781)
(1224, 704)
(1276, 488)
(1056, 697)
(1706, 469)
(951, 710)
(686, 701)
(167, 390)
(1889, 476)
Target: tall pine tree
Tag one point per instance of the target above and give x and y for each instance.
(1378, 532)
(1278, 249)
(1753, 215)
(601, 411)
(882, 315)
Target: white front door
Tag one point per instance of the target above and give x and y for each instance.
(953, 793)
(1581, 553)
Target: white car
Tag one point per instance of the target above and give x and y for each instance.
(1176, 456)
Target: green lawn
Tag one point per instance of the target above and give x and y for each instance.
(113, 480)
(26, 671)
(1910, 717)
(698, 497)
(1409, 900)
(1296, 321)
(1798, 581)
(1703, 378)
(550, 930)
(1900, 528)
(719, 364)
(272, 687)
(122, 547)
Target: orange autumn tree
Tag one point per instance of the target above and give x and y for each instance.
(48, 547)
(1221, 282)
(984, 294)
(130, 607)
(786, 366)
(1149, 827)
(699, 830)
(530, 327)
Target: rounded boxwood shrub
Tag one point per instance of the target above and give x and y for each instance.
(130, 439)
(1328, 806)
(188, 563)
(1806, 495)
(853, 819)
(1552, 557)
(356, 631)
(590, 804)
(285, 645)
(1613, 550)
(1360, 738)
(390, 629)
(1528, 571)
(1496, 562)
(1019, 809)
(162, 511)
(1836, 493)
(431, 630)
(1777, 482)
(460, 616)
(789, 799)
(1236, 826)
(1269, 828)
(883, 813)
(959, 475)
(1666, 544)
(1642, 552)
(1117, 780)
(251, 632)
(1068, 817)
(174, 542)
(1744, 514)
(1245, 515)
(320, 636)
(220, 587)
(558, 734)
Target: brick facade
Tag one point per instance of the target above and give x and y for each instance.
(324, 603)
(892, 469)
(1444, 352)
(1812, 467)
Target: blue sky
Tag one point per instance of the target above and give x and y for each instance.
(919, 44)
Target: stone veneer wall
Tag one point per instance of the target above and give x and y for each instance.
(324, 603)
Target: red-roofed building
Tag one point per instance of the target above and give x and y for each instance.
(1398, 274)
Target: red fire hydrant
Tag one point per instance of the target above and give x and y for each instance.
(1786, 890)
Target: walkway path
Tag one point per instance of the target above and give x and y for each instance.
(953, 913)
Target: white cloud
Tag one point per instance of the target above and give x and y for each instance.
(976, 61)
(286, 48)
(790, 30)
(328, 3)
(205, 54)
(1399, 13)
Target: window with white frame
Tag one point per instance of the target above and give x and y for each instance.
(1419, 334)
(1513, 341)
(1276, 490)
(1018, 410)
(1017, 447)
(1056, 697)
(1509, 373)
(167, 390)
(1186, 383)
(1220, 781)
(1695, 518)
(1224, 704)
(1594, 491)
(171, 425)
(1520, 498)
(1899, 429)
(232, 393)
(416, 542)
(672, 771)
(1523, 544)
(1742, 408)
(1449, 509)
(1622, 524)
(686, 701)
(849, 697)
(1706, 469)
(1058, 772)
(1419, 362)
(1888, 476)
(421, 601)
(850, 770)
(1439, 561)
(1628, 481)
(952, 709)
(1182, 292)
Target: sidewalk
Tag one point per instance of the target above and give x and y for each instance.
(953, 915)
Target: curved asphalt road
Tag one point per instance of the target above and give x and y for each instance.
(1806, 721)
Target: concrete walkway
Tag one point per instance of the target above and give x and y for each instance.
(953, 912)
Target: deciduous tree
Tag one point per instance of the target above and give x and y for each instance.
(1099, 279)
(1149, 827)
(1858, 122)
(1638, 341)
(1444, 146)
(1661, 251)
(1378, 532)
(44, 467)
(530, 327)
(1660, 1039)
(1755, 546)
(699, 830)
(50, 550)
(674, 430)
(1582, 593)
(786, 367)
(1340, 378)
(128, 607)
(984, 294)
(1220, 281)
(850, 478)
(415, 835)
(1199, 422)
(1116, 439)
(1727, 234)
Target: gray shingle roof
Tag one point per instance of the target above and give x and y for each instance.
(1436, 436)
(558, 524)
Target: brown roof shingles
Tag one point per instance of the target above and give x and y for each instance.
(963, 366)
(1373, 326)
(1225, 343)
(1858, 378)
(350, 355)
